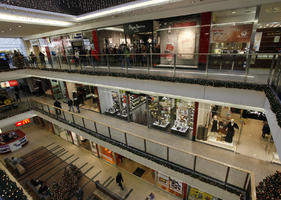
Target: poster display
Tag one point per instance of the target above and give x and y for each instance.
(239, 33)
(186, 43)
(176, 185)
(257, 43)
(196, 194)
(163, 180)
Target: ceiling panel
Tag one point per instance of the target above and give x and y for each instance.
(72, 7)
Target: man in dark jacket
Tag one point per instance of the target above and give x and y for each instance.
(58, 105)
(76, 104)
(265, 129)
(119, 180)
(70, 105)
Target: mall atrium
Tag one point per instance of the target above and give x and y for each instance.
(140, 99)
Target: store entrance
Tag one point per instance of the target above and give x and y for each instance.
(84, 143)
(138, 108)
(88, 96)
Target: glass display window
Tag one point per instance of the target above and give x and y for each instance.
(138, 108)
(113, 102)
(160, 109)
(184, 117)
(221, 126)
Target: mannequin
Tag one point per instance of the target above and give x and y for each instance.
(215, 124)
(230, 130)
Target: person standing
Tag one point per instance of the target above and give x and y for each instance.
(76, 104)
(79, 194)
(42, 59)
(265, 129)
(58, 105)
(17, 97)
(119, 180)
(70, 105)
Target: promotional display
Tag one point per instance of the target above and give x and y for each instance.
(239, 33)
(170, 184)
(7, 84)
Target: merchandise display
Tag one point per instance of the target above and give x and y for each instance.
(136, 101)
(183, 123)
(160, 109)
(119, 106)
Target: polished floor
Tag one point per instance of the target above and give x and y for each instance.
(39, 136)
(260, 168)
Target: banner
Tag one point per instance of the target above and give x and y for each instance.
(239, 33)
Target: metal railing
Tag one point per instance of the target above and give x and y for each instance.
(13, 109)
(228, 177)
(254, 68)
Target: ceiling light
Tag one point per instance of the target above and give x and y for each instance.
(10, 29)
(19, 26)
(2, 31)
(233, 12)
(123, 8)
(112, 29)
(32, 20)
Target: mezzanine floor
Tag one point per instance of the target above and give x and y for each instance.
(39, 136)
(259, 167)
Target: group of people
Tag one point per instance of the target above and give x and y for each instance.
(40, 187)
(6, 137)
(33, 59)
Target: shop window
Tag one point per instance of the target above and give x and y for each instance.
(88, 97)
(138, 110)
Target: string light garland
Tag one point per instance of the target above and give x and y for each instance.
(9, 189)
(72, 7)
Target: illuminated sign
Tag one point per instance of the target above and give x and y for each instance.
(23, 122)
(9, 84)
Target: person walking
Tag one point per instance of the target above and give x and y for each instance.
(79, 194)
(119, 180)
(42, 59)
(76, 104)
(70, 105)
(58, 105)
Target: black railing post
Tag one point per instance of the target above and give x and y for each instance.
(194, 164)
(246, 181)
(96, 126)
(73, 118)
(144, 142)
(48, 109)
(109, 132)
(167, 153)
(226, 176)
(126, 140)
(83, 122)
(175, 65)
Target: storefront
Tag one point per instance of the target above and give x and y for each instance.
(109, 155)
(180, 36)
(88, 97)
(138, 108)
(59, 90)
(113, 102)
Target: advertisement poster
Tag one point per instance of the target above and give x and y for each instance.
(163, 180)
(239, 33)
(176, 185)
(257, 43)
(186, 43)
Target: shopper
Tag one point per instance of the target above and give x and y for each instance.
(76, 104)
(42, 59)
(265, 129)
(33, 59)
(17, 95)
(58, 105)
(119, 180)
(70, 105)
(79, 194)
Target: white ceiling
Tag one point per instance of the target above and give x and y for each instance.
(174, 8)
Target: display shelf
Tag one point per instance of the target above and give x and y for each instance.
(161, 126)
(180, 131)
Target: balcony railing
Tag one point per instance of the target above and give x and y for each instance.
(227, 177)
(261, 68)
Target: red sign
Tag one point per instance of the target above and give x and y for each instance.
(13, 83)
(23, 122)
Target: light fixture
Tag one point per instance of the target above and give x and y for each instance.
(112, 29)
(19, 26)
(123, 8)
(233, 12)
(33, 20)
(2, 31)
(10, 29)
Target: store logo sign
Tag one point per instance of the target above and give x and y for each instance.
(9, 84)
(23, 122)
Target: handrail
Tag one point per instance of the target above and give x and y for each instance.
(252, 175)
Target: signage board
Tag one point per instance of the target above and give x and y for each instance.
(139, 27)
(23, 122)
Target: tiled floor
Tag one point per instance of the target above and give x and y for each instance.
(259, 167)
(39, 136)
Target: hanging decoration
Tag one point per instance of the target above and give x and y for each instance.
(72, 7)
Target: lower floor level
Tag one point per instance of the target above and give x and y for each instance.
(145, 182)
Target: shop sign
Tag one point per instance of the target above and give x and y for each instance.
(43, 42)
(7, 84)
(138, 27)
(239, 33)
(34, 42)
(23, 122)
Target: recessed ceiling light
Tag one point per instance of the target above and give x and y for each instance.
(10, 29)
(2, 31)
(233, 12)
(19, 26)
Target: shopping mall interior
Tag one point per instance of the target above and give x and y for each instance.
(140, 99)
